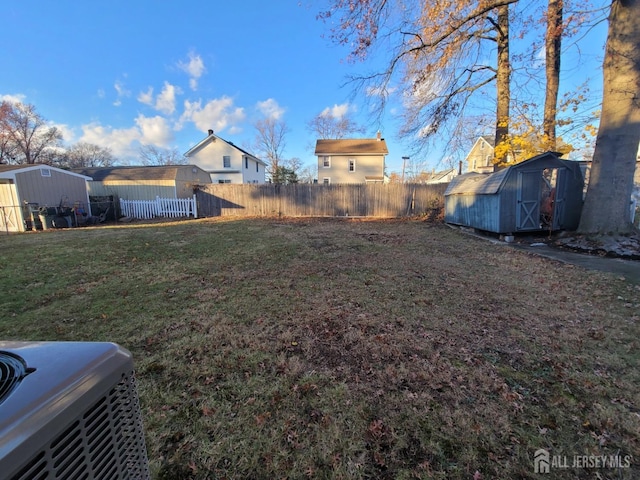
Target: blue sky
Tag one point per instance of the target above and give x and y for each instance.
(122, 73)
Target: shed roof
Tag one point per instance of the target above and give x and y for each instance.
(360, 146)
(490, 183)
(162, 172)
(477, 183)
(9, 171)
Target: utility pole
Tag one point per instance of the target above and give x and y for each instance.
(404, 161)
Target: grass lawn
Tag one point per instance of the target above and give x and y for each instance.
(345, 349)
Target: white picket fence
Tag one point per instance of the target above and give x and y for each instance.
(160, 207)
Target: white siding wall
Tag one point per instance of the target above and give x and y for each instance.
(365, 166)
(211, 158)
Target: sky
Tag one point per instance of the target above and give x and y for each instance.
(121, 74)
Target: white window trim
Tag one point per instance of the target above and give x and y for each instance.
(349, 165)
(328, 160)
(45, 172)
(326, 180)
(224, 157)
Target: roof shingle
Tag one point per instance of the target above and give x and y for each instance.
(360, 146)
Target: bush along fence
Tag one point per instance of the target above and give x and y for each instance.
(299, 200)
(160, 207)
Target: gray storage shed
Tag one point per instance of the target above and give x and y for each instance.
(542, 193)
(28, 188)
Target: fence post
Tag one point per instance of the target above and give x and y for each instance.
(195, 207)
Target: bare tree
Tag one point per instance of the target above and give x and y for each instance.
(325, 125)
(25, 133)
(83, 155)
(438, 53)
(270, 143)
(606, 208)
(152, 155)
(7, 146)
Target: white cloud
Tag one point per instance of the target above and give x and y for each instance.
(121, 141)
(154, 131)
(121, 91)
(337, 111)
(166, 100)
(217, 114)
(125, 142)
(540, 58)
(380, 91)
(270, 109)
(194, 68)
(17, 98)
(67, 132)
(146, 97)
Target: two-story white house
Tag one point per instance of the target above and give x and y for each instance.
(351, 160)
(480, 157)
(226, 162)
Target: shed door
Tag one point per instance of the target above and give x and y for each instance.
(528, 201)
(10, 210)
(559, 203)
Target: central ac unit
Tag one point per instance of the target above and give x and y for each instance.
(69, 410)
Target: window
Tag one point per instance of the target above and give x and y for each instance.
(226, 161)
(45, 172)
(257, 167)
(326, 162)
(326, 181)
(246, 162)
(352, 164)
(224, 181)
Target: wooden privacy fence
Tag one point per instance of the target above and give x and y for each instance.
(300, 200)
(160, 207)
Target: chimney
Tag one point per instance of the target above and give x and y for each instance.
(378, 136)
(210, 132)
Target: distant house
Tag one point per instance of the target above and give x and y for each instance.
(145, 183)
(25, 189)
(480, 157)
(444, 176)
(351, 160)
(226, 162)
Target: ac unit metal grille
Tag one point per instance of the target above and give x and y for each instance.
(105, 442)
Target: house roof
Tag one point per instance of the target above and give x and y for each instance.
(359, 146)
(491, 140)
(9, 171)
(163, 172)
(213, 137)
(442, 174)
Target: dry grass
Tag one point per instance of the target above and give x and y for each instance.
(342, 348)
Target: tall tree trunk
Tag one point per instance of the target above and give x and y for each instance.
(553, 42)
(502, 83)
(606, 208)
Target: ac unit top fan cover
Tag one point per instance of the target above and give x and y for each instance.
(77, 394)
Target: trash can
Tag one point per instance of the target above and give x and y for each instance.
(46, 217)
